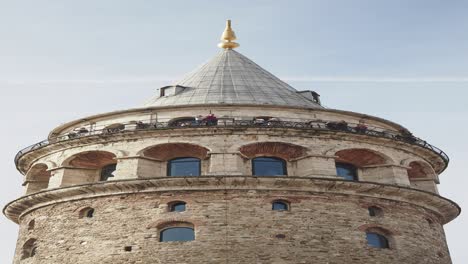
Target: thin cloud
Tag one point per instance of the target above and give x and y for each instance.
(171, 79)
(375, 79)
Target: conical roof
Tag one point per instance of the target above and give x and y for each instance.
(231, 78)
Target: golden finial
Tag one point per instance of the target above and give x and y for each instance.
(228, 37)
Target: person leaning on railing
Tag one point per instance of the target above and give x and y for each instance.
(211, 120)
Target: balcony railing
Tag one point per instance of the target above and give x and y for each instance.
(318, 125)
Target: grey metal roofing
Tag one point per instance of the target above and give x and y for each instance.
(231, 78)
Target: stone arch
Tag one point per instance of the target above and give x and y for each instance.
(154, 159)
(422, 176)
(365, 165)
(361, 157)
(379, 229)
(167, 224)
(420, 170)
(86, 212)
(90, 159)
(86, 167)
(168, 151)
(29, 248)
(37, 178)
(384, 232)
(31, 224)
(166, 228)
(285, 151)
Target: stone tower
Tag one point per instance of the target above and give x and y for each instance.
(231, 165)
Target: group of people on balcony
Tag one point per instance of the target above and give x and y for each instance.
(199, 120)
(212, 120)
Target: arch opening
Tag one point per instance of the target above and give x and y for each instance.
(176, 232)
(168, 151)
(86, 212)
(37, 178)
(422, 176)
(363, 164)
(89, 167)
(281, 150)
(177, 206)
(280, 205)
(378, 238)
(29, 248)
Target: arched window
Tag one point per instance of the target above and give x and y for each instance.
(374, 211)
(346, 171)
(268, 166)
(108, 172)
(177, 234)
(29, 249)
(87, 212)
(31, 225)
(177, 207)
(377, 240)
(280, 206)
(184, 167)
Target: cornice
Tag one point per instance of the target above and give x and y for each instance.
(444, 208)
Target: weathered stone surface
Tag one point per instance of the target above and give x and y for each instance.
(233, 226)
(229, 209)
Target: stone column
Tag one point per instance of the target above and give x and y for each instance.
(139, 167)
(428, 185)
(225, 164)
(387, 173)
(314, 166)
(66, 176)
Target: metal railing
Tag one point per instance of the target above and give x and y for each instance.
(317, 125)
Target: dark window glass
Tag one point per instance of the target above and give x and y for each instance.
(183, 167)
(376, 240)
(346, 171)
(90, 213)
(280, 206)
(31, 224)
(29, 249)
(177, 207)
(177, 234)
(107, 172)
(268, 166)
(374, 211)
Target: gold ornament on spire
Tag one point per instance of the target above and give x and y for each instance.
(228, 37)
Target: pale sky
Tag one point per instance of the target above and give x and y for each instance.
(402, 60)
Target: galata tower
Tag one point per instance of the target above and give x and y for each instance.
(231, 165)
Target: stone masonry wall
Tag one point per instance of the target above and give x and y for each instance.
(232, 226)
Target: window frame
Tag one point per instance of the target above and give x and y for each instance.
(286, 203)
(384, 240)
(101, 173)
(169, 167)
(374, 211)
(171, 206)
(87, 212)
(161, 236)
(29, 249)
(284, 165)
(347, 166)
